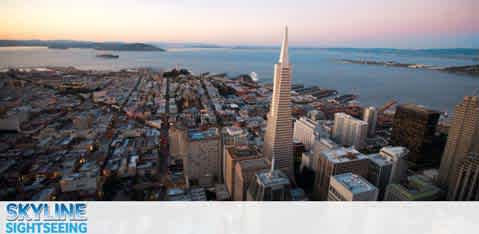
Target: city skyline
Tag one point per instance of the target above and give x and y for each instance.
(406, 24)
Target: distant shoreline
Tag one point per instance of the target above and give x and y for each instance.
(60, 44)
(472, 70)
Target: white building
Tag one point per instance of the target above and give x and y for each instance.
(304, 129)
(370, 115)
(351, 187)
(278, 140)
(398, 157)
(349, 131)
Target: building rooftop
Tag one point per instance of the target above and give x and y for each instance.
(253, 164)
(271, 178)
(354, 183)
(197, 135)
(380, 160)
(342, 154)
(234, 131)
(242, 151)
(394, 150)
(418, 108)
(417, 187)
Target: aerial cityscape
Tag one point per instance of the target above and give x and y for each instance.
(171, 135)
(85, 120)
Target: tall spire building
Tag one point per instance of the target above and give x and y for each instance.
(462, 139)
(278, 142)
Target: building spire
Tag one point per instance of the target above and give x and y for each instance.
(283, 57)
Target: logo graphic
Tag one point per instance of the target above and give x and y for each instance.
(51, 218)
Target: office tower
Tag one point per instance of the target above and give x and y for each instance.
(349, 131)
(463, 138)
(269, 185)
(337, 161)
(388, 166)
(201, 161)
(379, 172)
(398, 156)
(230, 136)
(416, 188)
(244, 172)
(279, 133)
(351, 187)
(414, 128)
(466, 186)
(304, 132)
(370, 115)
(233, 155)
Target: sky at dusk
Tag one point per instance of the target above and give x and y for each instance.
(322, 23)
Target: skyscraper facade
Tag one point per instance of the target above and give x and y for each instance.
(370, 115)
(278, 142)
(349, 131)
(414, 128)
(462, 139)
(466, 186)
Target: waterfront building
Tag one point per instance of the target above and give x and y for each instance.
(244, 172)
(337, 161)
(416, 188)
(462, 139)
(304, 132)
(466, 186)
(349, 131)
(370, 115)
(278, 138)
(414, 128)
(351, 187)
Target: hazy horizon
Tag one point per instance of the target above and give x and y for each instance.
(407, 24)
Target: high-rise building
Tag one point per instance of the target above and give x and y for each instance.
(337, 161)
(279, 132)
(349, 131)
(416, 188)
(230, 136)
(351, 187)
(269, 185)
(233, 155)
(388, 166)
(466, 186)
(414, 128)
(462, 139)
(201, 162)
(304, 132)
(370, 115)
(244, 172)
(398, 156)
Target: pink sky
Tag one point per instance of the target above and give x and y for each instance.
(366, 23)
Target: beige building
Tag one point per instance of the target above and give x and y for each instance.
(304, 132)
(203, 154)
(233, 155)
(466, 186)
(278, 140)
(463, 138)
(244, 172)
(337, 161)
